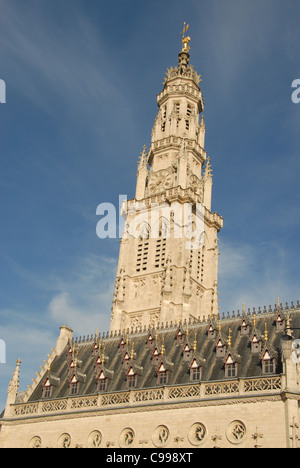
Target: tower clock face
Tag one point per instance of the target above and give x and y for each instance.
(160, 180)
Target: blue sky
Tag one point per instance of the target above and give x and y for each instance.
(81, 83)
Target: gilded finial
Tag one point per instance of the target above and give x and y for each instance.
(185, 40)
(127, 339)
(278, 303)
(163, 346)
(266, 332)
(75, 360)
(187, 331)
(229, 337)
(132, 351)
(254, 320)
(195, 342)
(103, 356)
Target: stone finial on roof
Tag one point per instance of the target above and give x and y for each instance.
(143, 158)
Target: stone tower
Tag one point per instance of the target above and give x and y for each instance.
(168, 260)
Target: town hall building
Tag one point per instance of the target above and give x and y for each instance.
(171, 372)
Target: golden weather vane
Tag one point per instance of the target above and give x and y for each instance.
(185, 40)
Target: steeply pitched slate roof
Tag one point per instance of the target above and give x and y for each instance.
(249, 364)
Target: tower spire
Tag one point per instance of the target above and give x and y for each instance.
(154, 283)
(13, 387)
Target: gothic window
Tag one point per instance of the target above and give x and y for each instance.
(268, 363)
(187, 124)
(160, 253)
(74, 386)
(47, 389)
(164, 115)
(195, 371)
(200, 264)
(162, 375)
(142, 254)
(102, 382)
(230, 368)
(162, 378)
(131, 378)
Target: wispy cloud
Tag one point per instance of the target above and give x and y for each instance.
(255, 275)
(87, 294)
(80, 297)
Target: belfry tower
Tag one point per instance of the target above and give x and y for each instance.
(168, 269)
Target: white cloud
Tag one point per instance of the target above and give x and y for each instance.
(85, 297)
(255, 275)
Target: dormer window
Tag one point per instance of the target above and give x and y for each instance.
(47, 389)
(74, 386)
(220, 348)
(230, 367)
(96, 347)
(245, 328)
(211, 332)
(195, 371)
(151, 340)
(268, 363)
(102, 382)
(180, 336)
(155, 356)
(126, 359)
(256, 344)
(162, 375)
(122, 344)
(186, 352)
(280, 324)
(71, 367)
(131, 378)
